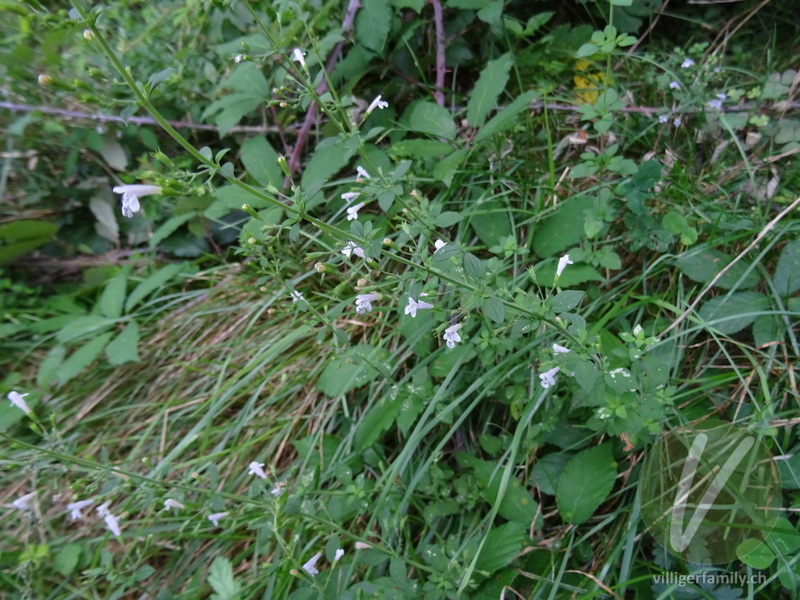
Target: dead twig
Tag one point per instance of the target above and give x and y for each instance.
(438, 19)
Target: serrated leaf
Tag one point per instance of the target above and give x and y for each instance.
(704, 264)
(562, 229)
(261, 162)
(82, 357)
(491, 222)
(430, 118)
(506, 117)
(327, 160)
(113, 296)
(494, 309)
(491, 83)
(247, 78)
(787, 271)
(222, 581)
(547, 471)
(585, 483)
(500, 546)
(151, 284)
(170, 226)
(373, 23)
(445, 252)
(729, 314)
(446, 168)
(474, 266)
(123, 348)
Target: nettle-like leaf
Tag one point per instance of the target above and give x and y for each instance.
(490, 85)
(585, 483)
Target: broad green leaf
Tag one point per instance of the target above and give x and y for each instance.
(755, 553)
(501, 545)
(787, 271)
(247, 78)
(113, 153)
(547, 470)
(106, 225)
(474, 266)
(517, 505)
(490, 85)
(230, 198)
(562, 229)
(222, 581)
(66, 559)
(785, 537)
(789, 469)
(329, 158)
(351, 369)
(447, 219)
(123, 348)
(373, 23)
(494, 309)
(565, 301)
(446, 168)
(446, 252)
(572, 276)
(170, 226)
(48, 369)
(22, 237)
(421, 148)
(378, 419)
(83, 326)
(82, 357)
(151, 284)
(767, 329)
(704, 264)
(585, 483)
(113, 296)
(261, 162)
(490, 221)
(729, 314)
(430, 118)
(507, 117)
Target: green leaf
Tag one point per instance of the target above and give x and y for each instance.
(755, 553)
(151, 284)
(378, 419)
(48, 369)
(565, 301)
(588, 49)
(500, 546)
(373, 23)
(585, 483)
(22, 237)
(261, 162)
(329, 158)
(507, 117)
(562, 229)
(572, 276)
(350, 369)
(789, 469)
(494, 309)
(784, 537)
(66, 559)
(491, 222)
(446, 168)
(547, 471)
(113, 153)
(704, 264)
(430, 118)
(247, 78)
(421, 148)
(787, 271)
(107, 225)
(82, 357)
(517, 505)
(113, 296)
(169, 227)
(490, 85)
(733, 312)
(222, 581)
(447, 219)
(474, 267)
(122, 349)
(83, 326)
(445, 253)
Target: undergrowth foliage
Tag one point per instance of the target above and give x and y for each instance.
(482, 256)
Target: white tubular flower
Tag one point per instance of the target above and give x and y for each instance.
(131, 195)
(276, 491)
(439, 244)
(17, 400)
(377, 103)
(413, 306)
(674, 85)
(362, 546)
(557, 349)
(238, 58)
(351, 248)
(102, 510)
(21, 503)
(364, 302)
(451, 337)
(362, 172)
(257, 469)
(296, 296)
(663, 118)
(75, 509)
(113, 524)
(549, 377)
(687, 63)
(310, 566)
(338, 554)
(352, 211)
(638, 330)
(170, 503)
(716, 104)
(677, 122)
(297, 56)
(215, 518)
(562, 264)
(350, 196)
